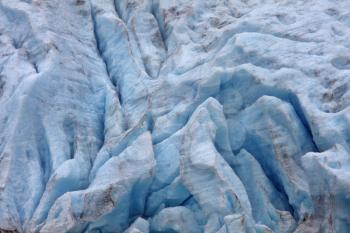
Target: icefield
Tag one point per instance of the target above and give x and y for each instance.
(174, 116)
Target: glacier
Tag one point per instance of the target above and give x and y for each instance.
(174, 116)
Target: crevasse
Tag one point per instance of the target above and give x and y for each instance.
(174, 116)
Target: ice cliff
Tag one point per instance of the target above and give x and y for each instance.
(175, 116)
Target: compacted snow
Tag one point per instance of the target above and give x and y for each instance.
(187, 116)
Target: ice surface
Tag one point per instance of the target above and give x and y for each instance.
(143, 116)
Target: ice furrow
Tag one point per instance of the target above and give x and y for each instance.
(174, 116)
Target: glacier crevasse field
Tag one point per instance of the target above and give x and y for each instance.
(174, 116)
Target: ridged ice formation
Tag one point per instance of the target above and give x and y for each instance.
(175, 116)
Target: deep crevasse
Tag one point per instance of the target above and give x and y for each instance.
(174, 116)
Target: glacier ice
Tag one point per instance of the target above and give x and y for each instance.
(143, 116)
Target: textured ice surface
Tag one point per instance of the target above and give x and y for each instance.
(175, 116)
